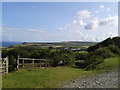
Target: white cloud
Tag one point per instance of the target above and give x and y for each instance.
(111, 21)
(61, 29)
(79, 22)
(14, 29)
(35, 30)
(79, 36)
(108, 9)
(102, 6)
(92, 25)
(83, 14)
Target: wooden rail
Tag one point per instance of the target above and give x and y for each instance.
(31, 62)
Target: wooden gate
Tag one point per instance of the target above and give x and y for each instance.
(4, 65)
(31, 62)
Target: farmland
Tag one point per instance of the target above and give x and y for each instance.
(77, 62)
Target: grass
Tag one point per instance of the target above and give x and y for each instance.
(43, 77)
(52, 77)
(109, 64)
(81, 52)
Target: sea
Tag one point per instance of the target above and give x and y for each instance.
(8, 43)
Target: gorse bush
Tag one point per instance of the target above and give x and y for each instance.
(82, 56)
(103, 53)
(114, 49)
(92, 62)
(62, 57)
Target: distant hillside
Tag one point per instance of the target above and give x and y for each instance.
(59, 44)
(109, 41)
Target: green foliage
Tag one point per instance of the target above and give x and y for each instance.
(67, 57)
(80, 63)
(82, 56)
(4, 53)
(41, 53)
(109, 64)
(114, 49)
(114, 41)
(13, 55)
(92, 62)
(103, 53)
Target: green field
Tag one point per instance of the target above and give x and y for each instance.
(51, 77)
(42, 77)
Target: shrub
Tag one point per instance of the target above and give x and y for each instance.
(103, 52)
(114, 49)
(80, 63)
(4, 53)
(82, 56)
(93, 61)
(66, 56)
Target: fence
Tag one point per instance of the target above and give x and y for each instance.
(22, 63)
(31, 62)
(4, 65)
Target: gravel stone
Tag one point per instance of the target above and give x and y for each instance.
(104, 80)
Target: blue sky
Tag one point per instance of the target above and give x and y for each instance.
(60, 21)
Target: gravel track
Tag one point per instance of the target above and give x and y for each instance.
(104, 80)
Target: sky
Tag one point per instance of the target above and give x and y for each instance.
(59, 21)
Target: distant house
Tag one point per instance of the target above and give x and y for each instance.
(76, 49)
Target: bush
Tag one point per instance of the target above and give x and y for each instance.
(114, 49)
(82, 56)
(80, 63)
(67, 58)
(4, 53)
(103, 52)
(92, 62)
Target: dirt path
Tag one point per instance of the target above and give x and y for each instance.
(104, 80)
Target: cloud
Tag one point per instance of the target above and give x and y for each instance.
(92, 25)
(36, 30)
(111, 21)
(102, 9)
(22, 34)
(61, 29)
(102, 6)
(14, 29)
(108, 9)
(79, 23)
(83, 14)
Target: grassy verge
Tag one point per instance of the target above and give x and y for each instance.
(43, 77)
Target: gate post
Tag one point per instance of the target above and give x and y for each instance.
(7, 64)
(18, 62)
(33, 62)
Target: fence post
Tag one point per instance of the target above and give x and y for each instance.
(23, 63)
(18, 62)
(7, 64)
(33, 62)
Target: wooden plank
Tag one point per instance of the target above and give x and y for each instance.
(32, 59)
